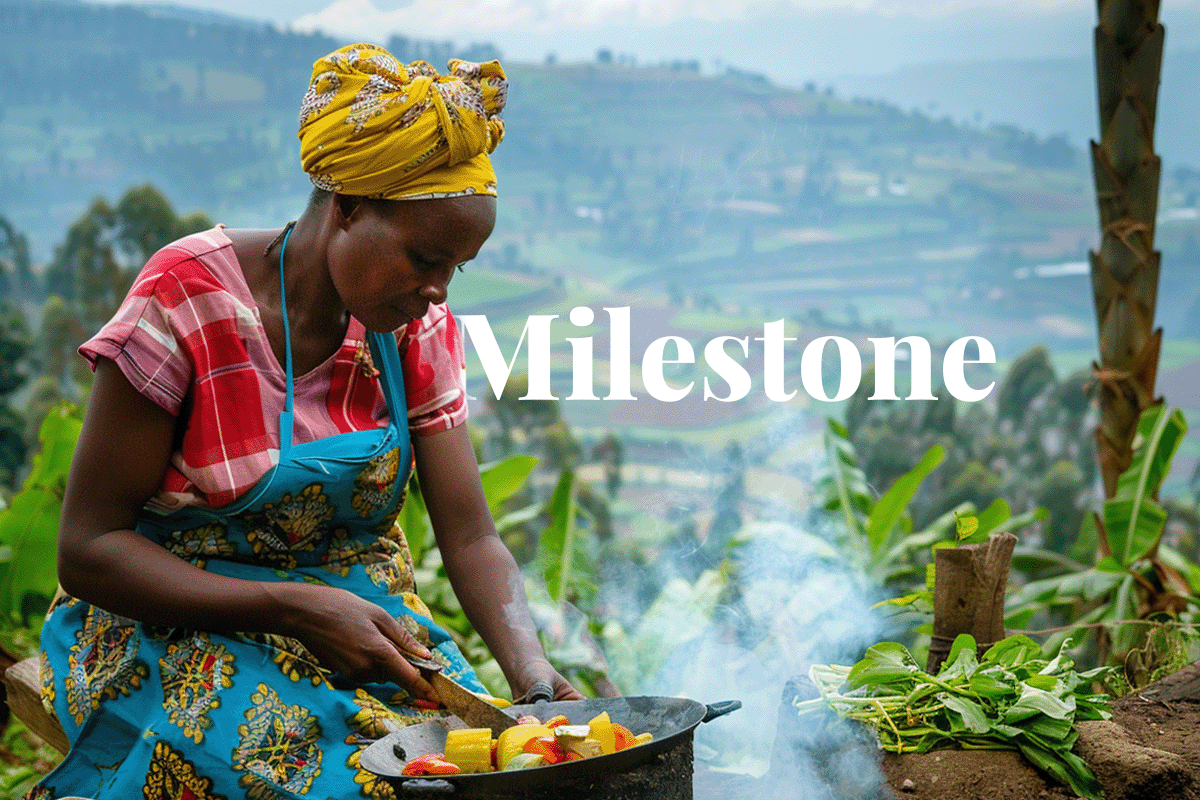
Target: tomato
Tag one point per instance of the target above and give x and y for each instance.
(432, 764)
(622, 736)
(547, 747)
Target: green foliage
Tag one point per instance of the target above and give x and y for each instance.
(1030, 375)
(1013, 698)
(556, 550)
(104, 249)
(879, 533)
(29, 526)
(33, 759)
(1019, 447)
(1140, 577)
(1133, 521)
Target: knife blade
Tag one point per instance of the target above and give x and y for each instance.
(465, 704)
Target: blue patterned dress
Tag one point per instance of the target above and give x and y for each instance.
(190, 715)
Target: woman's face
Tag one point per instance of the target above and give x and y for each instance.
(389, 261)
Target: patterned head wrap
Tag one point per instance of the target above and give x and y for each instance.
(372, 127)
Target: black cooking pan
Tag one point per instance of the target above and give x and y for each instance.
(670, 719)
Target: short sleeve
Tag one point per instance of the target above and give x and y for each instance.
(435, 372)
(141, 338)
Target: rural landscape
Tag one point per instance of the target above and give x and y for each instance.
(698, 546)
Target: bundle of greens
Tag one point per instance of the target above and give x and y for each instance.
(1012, 699)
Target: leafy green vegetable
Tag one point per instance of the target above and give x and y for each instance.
(1011, 699)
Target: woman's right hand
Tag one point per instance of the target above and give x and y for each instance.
(353, 637)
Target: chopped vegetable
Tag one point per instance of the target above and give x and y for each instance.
(511, 742)
(528, 719)
(470, 749)
(602, 731)
(588, 748)
(623, 736)
(525, 745)
(563, 732)
(432, 764)
(547, 747)
(525, 761)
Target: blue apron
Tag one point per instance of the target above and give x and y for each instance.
(186, 714)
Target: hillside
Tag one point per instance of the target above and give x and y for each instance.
(710, 204)
(1047, 96)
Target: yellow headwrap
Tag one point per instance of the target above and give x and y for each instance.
(372, 127)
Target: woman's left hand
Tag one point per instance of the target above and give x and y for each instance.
(543, 671)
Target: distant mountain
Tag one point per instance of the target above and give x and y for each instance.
(1047, 96)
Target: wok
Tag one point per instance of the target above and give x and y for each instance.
(670, 719)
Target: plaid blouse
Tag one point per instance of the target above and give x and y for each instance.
(189, 337)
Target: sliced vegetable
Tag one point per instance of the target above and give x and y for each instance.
(511, 742)
(432, 764)
(602, 731)
(588, 748)
(556, 720)
(642, 738)
(525, 761)
(470, 749)
(546, 747)
(622, 736)
(564, 732)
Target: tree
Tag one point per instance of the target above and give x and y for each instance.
(95, 265)
(16, 274)
(1129, 44)
(14, 350)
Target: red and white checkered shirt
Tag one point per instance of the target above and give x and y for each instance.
(189, 337)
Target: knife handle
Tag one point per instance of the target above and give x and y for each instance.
(423, 664)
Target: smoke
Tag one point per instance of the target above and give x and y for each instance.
(748, 627)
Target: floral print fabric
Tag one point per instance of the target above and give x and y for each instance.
(177, 713)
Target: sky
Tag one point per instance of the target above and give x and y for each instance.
(789, 41)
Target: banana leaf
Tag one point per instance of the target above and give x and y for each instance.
(502, 479)
(890, 508)
(1133, 521)
(848, 484)
(557, 555)
(29, 526)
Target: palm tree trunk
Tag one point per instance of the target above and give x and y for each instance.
(1129, 46)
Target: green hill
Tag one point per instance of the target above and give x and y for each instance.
(726, 199)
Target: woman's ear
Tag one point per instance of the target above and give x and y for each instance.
(344, 207)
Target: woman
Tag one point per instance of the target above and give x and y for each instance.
(240, 600)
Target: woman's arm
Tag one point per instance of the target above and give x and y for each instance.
(123, 451)
(481, 570)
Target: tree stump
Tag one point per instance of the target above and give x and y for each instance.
(968, 595)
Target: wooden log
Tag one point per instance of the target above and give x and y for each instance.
(968, 595)
(24, 695)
